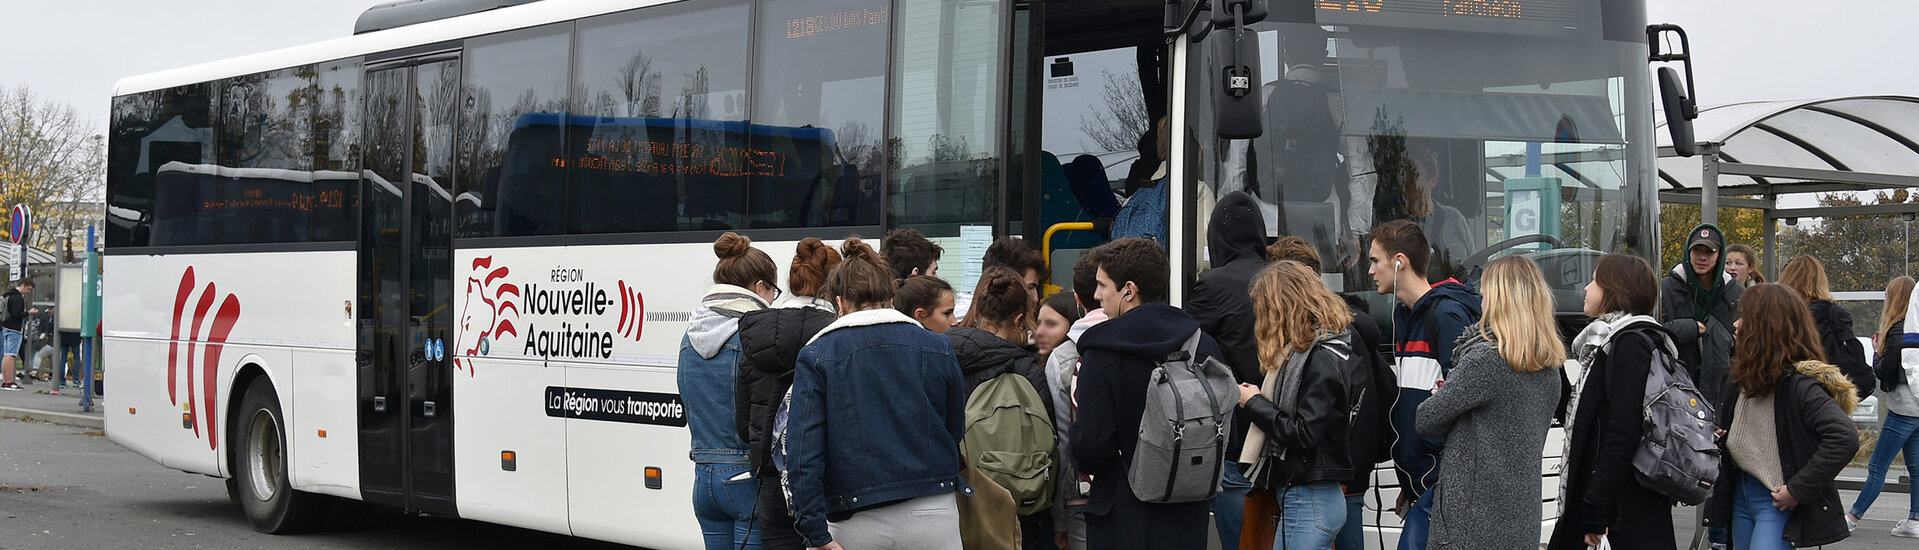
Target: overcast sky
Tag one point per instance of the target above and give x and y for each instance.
(74, 50)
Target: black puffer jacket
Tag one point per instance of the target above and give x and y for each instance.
(1708, 357)
(770, 342)
(1314, 434)
(983, 356)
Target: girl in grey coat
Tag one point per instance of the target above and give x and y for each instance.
(1493, 411)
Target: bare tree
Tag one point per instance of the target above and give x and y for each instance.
(640, 85)
(51, 161)
(1122, 117)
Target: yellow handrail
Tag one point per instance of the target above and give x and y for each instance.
(1046, 242)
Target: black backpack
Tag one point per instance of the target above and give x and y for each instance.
(1844, 350)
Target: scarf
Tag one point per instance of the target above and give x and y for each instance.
(1585, 348)
(1282, 387)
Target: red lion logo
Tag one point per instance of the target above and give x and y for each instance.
(223, 321)
(497, 305)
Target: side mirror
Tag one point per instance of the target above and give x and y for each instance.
(1253, 11)
(1236, 103)
(1679, 115)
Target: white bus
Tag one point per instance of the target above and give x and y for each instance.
(444, 264)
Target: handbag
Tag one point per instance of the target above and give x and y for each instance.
(1261, 521)
(988, 516)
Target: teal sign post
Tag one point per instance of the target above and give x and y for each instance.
(1532, 206)
(89, 321)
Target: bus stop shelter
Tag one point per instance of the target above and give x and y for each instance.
(1751, 154)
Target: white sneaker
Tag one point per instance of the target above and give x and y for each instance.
(1908, 528)
(1852, 523)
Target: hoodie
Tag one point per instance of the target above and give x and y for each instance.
(1684, 304)
(1424, 336)
(709, 359)
(1222, 298)
(1117, 358)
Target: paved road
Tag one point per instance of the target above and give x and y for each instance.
(66, 488)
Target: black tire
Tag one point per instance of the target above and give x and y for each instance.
(233, 492)
(260, 466)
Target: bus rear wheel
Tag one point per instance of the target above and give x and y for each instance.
(260, 467)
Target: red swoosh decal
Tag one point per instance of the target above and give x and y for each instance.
(199, 316)
(506, 327)
(223, 322)
(495, 275)
(626, 303)
(481, 263)
(173, 344)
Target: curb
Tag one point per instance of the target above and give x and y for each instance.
(60, 418)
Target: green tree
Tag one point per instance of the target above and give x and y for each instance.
(1860, 252)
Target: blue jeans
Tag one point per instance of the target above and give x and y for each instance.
(1310, 516)
(723, 499)
(1418, 523)
(1756, 525)
(1353, 534)
(1899, 433)
(1229, 506)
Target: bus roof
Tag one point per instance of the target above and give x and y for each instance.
(433, 32)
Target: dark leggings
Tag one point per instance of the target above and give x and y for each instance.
(777, 529)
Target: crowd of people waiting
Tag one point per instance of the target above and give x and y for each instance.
(876, 406)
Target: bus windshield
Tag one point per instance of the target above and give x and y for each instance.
(1497, 135)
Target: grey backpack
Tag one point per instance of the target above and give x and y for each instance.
(1182, 433)
(1677, 456)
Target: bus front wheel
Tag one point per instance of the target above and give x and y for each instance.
(270, 502)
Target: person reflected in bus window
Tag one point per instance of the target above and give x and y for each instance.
(1786, 430)
(1698, 306)
(909, 253)
(989, 344)
(1742, 263)
(770, 343)
(1302, 404)
(743, 282)
(1427, 323)
(1900, 432)
(874, 421)
(1599, 495)
(928, 300)
(1808, 276)
(1371, 439)
(1493, 411)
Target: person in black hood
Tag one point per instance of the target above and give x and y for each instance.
(1222, 305)
(1118, 357)
(1699, 309)
(770, 342)
(990, 343)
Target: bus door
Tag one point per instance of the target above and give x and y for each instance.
(406, 295)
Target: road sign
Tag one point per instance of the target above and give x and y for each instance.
(1532, 206)
(21, 223)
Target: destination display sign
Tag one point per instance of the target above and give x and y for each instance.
(1523, 16)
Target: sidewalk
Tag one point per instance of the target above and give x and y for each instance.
(64, 409)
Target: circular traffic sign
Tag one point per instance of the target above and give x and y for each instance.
(21, 220)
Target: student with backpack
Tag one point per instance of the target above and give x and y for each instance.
(1009, 419)
(1370, 441)
(1063, 368)
(876, 413)
(1807, 275)
(1493, 411)
(770, 343)
(1599, 495)
(1900, 432)
(1427, 322)
(1120, 360)
(1302, 406)
(13, 316)
(743, 281)
(1787, 433)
